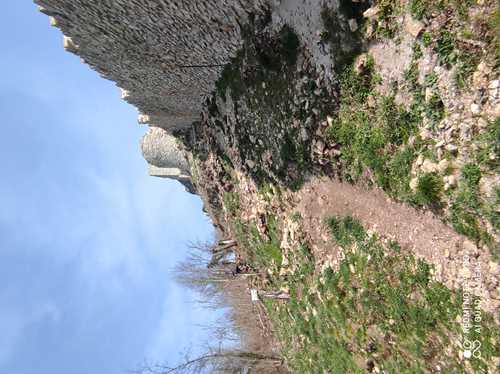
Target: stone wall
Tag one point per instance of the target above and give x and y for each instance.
(164, 54)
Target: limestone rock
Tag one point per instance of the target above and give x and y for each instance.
(413, 26)
(162, 150)
(371, 12)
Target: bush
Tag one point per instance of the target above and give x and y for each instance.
(429, 189)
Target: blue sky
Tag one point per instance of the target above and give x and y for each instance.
(87, 239)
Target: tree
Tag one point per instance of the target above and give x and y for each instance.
(216, 361)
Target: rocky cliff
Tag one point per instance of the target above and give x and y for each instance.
(164, 55)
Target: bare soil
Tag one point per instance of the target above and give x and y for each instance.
(457, 261)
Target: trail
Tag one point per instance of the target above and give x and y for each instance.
(457, 261)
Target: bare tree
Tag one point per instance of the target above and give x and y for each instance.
(216, 361)
(210, 270)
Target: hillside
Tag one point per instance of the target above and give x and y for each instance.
(347, 153)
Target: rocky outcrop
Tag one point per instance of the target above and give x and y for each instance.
(162, 150)
(165, 54)
(175, 174)
(166, 157)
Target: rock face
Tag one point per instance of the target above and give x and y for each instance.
(173, 173)
(162, 150)
(165, 54)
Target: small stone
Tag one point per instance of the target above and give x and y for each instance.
(360, 63)
(451, 147)
(494, 268)
(414, 184)
(319, 146)
(481, 123)
(475, 109)
(452, 180)
(420, 160)
(304, 135)
(353, 25)
(371, 12)
(469, 247)
(329, 119)
(250, 164)
(494, 84)
(425, 134)
(352, 269)
(371, 101)
(428, 166)
(439, 144)
(428, 94)
(370, 30)
(443, 165)
(413, 26)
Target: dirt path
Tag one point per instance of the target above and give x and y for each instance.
(457, 261)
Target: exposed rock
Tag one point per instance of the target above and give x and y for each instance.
(428, 166)
(353, 25)
(443, 165)
(475, 109)
(162, 150)
(414, 184)
(371, 12)
(413, 26)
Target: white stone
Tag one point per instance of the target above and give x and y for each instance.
(53, 21)
(443, 165)
(475, 109)
(69, 45)
(413, 26)
(371, 12)
(420, 160)
(143, 119)
(414, 184)
(452, 180)
(353, 25)
(494, 84)
(451, 147)
(428, 166)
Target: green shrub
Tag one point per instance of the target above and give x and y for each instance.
(429, 189)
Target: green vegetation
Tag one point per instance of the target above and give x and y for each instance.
(470, 209)
(429, 190)
(426, 8)
(337, 33)
(381, 308)
(231, 202)
(262, 249)
(387, 27)
(374, 137)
